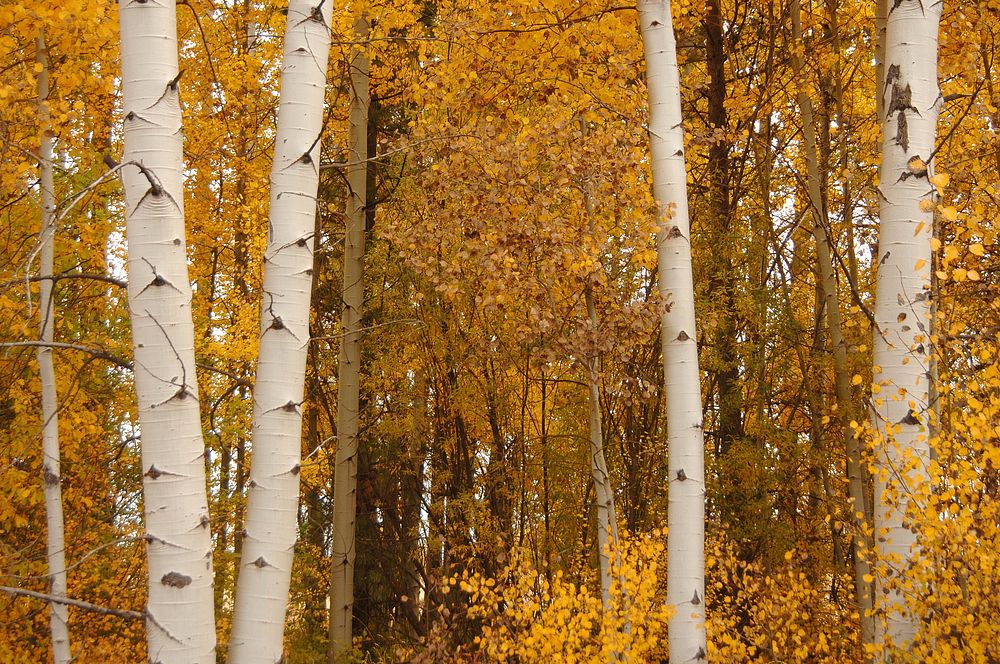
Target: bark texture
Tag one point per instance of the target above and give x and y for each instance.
(272, 503)
(180, 624)
(686, 467)
(903, 297)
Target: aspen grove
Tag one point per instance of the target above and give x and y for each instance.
(538, 331)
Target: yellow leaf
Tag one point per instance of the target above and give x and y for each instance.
(949, 213)
(856, 380)
(919, 264)
(976, 249)
(941, 180)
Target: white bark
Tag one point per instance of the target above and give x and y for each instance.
(272, 505)
(51, 477)
(348, 376)
(181, 623)
(686, 467)
(902, 303)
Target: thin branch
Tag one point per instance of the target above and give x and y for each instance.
(78, 603)
(401, 321)
(69, 275)
(96, 352)
(380, 156)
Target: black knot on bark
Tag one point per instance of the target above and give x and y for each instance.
(153, 473)
(910, 418)
(682, 336)
(681, 475)
(696, 600)
(175, 580)
(50, 478)
(261, 563)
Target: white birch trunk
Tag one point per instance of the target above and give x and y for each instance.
(686, 467)
(902, 302)
(348, 376)
(272, 504)
(51, 477)
(181, 623)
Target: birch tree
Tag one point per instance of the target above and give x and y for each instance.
(272, 505)
(348, 389)
(180, 612)
(902, 300)
(51, 476)
(686, 464)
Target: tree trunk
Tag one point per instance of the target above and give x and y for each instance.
(181, 622)
(51, 477)
(607, 518)
(272, 503)
(686, 467)
(902, 298)
(829, 291)
(346, 472)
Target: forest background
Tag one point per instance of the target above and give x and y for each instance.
(510, 277)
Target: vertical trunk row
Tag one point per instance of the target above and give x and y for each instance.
(829, 293)
(181, 622)
(348, 376)
(902, 298)
(51, 477)
(272, 503)
(686, 467)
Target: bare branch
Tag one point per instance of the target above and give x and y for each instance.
(69, 275)
(78, 603)
(96, 352)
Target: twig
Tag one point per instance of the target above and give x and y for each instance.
(78, 603)
(389, 153)
(69, 275)
(96, 352)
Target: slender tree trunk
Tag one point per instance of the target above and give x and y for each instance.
(607, 518)
(346, 472)
(181, 620)
(51, 477)
(829, 291)
(902, 297)
(686, 467)
(726, 369)
(272, 504)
